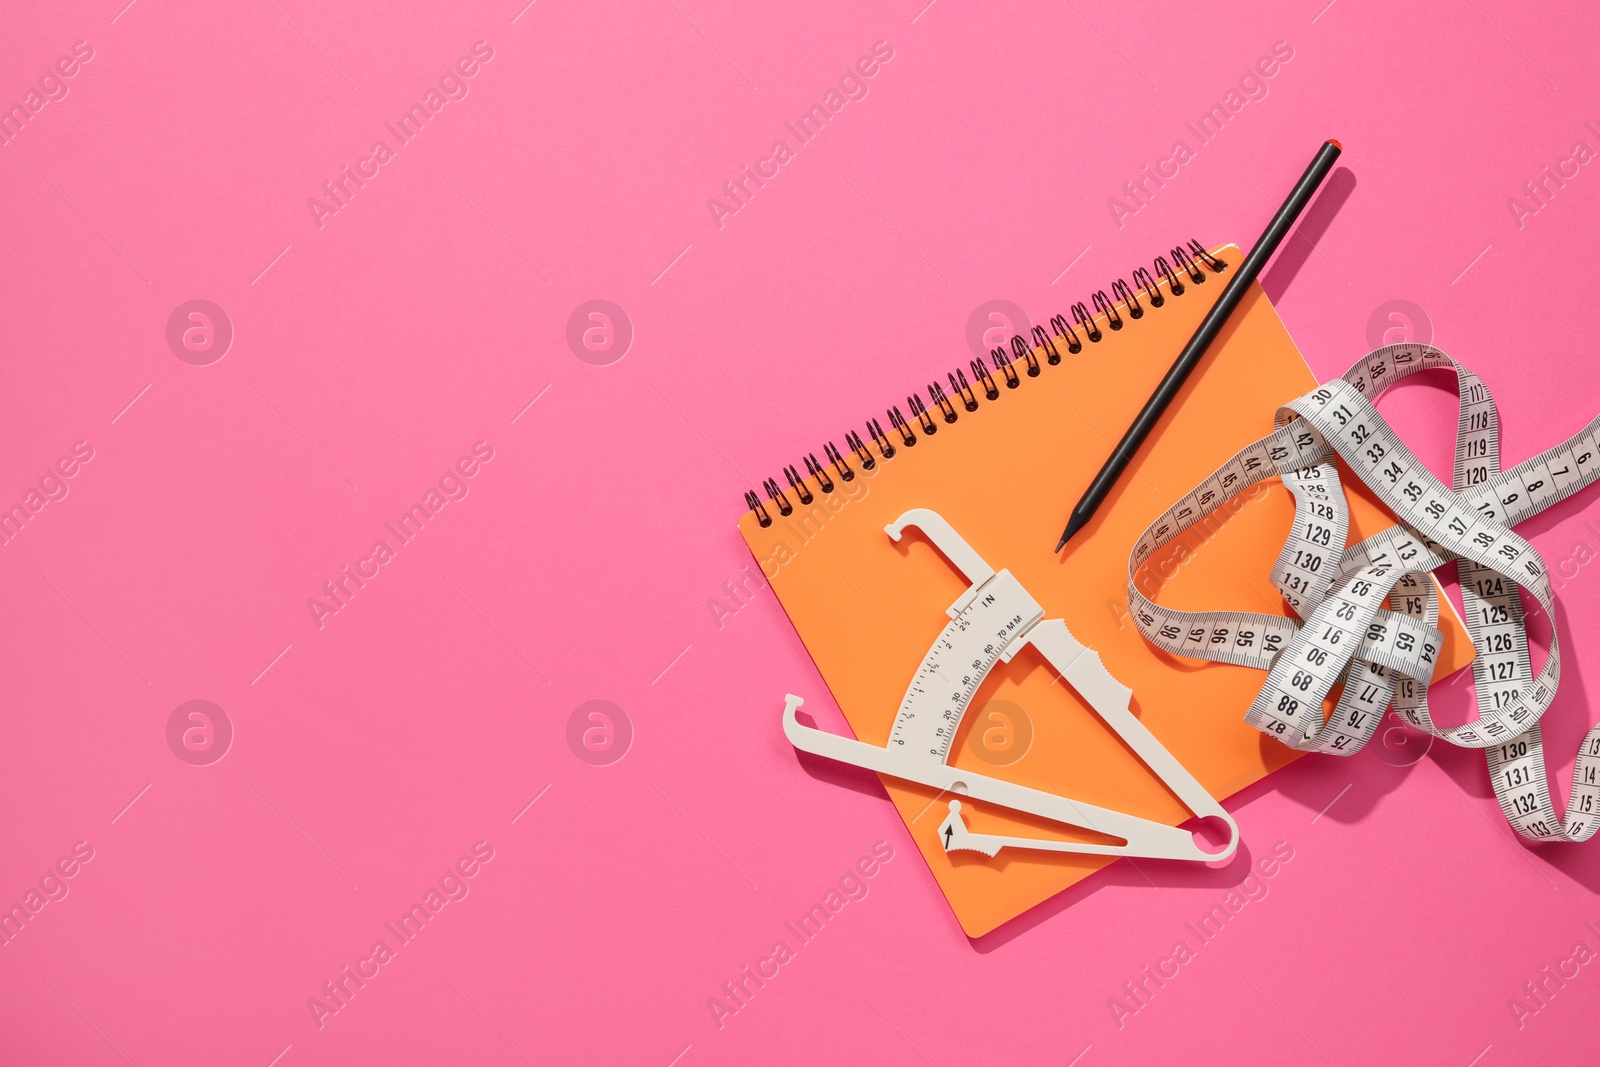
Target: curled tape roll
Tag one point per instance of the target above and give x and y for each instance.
(1367, 616)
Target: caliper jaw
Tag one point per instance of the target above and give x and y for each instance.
(962, 556)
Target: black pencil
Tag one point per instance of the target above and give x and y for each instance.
(1268, 243)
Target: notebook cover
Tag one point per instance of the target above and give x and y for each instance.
(1005, 476)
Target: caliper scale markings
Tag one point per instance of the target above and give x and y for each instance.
(961, 657)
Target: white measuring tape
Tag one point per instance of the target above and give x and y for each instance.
(1345, 634)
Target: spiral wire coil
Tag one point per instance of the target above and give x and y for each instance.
(1125, 303)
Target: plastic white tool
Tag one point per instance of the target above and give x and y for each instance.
(993, 621)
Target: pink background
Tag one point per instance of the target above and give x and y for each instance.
(424, 316)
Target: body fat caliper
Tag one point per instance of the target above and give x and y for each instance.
(991, 622)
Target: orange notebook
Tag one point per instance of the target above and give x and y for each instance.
(1006, 476)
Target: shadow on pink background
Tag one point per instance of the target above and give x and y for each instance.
(625, 867)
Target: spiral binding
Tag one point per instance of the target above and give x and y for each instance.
(943, 408)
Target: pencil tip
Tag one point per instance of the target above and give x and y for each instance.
(1074, 524)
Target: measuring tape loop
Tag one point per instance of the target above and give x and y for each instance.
(1365, 615)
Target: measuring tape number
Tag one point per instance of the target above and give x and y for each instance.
(1367, 614)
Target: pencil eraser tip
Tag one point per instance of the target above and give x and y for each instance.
(1336, 144)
